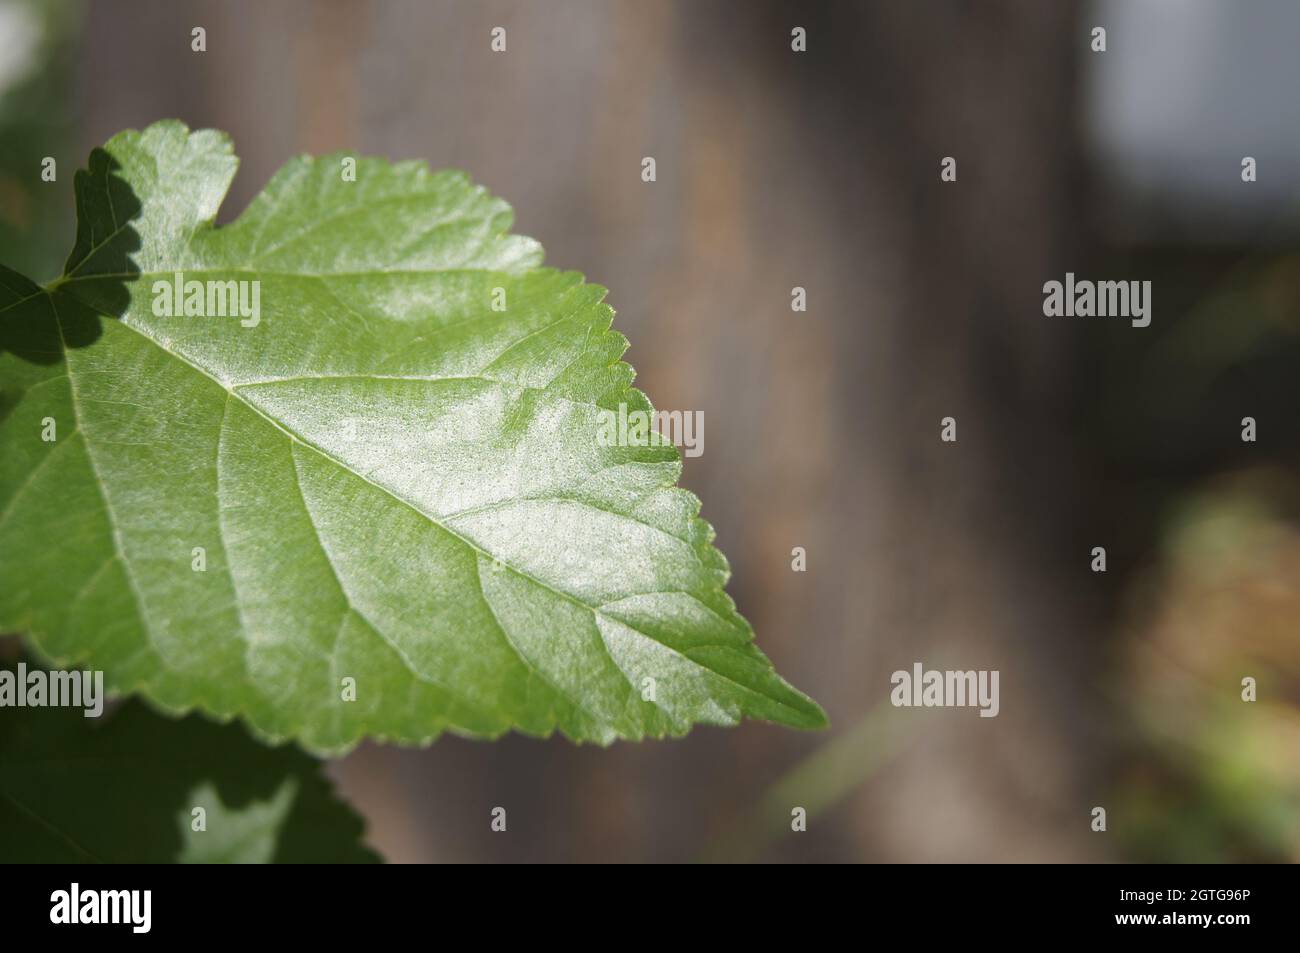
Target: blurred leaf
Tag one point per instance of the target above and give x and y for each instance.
(37, 52)
(817, 784)
(1214, 777)
(122, 789)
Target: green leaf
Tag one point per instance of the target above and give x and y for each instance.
(124, 788)
(391, 481)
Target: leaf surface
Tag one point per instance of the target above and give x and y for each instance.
(391, 480)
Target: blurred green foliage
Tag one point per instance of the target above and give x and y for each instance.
(37, 46)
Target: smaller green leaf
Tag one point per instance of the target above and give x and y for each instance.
(123, 788)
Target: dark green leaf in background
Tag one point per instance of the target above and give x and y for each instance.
(122, 788)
